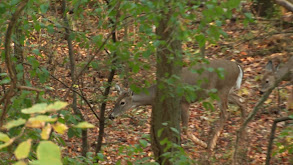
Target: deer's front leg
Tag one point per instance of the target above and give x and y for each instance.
(185, 119)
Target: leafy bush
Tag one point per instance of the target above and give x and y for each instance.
(34, 135)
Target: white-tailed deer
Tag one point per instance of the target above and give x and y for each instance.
(273, 73)
(233, 74)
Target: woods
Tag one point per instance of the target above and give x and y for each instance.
(146, 82)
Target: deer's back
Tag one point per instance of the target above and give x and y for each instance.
(211, 79)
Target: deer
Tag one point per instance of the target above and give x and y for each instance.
(273, 73)
(225, 87)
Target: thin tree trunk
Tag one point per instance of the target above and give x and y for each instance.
(166, 109)
(18, 50)
(107, 90)
(73, 78)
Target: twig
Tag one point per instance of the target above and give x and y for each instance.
(30, 88)
(83, 97)
(89, 61)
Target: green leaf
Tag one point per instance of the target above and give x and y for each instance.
(44, 8)
(144, 143)
(36, 52)
(56, 106)
(14, 123)
(3, 74)
(4, 137)
(43, 118)
(233, 3)
(160, 131)
(37, 108)
(43, 108)
(100, 156)
(84, 125)
(95, 65)
(50, 29)
(97, 39)
(5, 81)
(208, 106)
(201, 40)
(135, 68)
(175, 130)
(23, 149)
(48, 153)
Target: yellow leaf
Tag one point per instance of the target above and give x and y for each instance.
(268, 101)
(60, 128)
(84, 125)
(46, 132)
(35, 124)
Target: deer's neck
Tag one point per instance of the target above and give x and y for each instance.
(144, 98)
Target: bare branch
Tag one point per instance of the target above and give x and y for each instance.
(285, 4)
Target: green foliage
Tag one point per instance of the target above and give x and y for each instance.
(177, 155)
(47, 151)
(136, 151)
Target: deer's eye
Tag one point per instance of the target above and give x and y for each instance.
(267, 81)
(122, 103)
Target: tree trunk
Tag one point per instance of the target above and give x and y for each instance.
(73, 78)
(166, 109)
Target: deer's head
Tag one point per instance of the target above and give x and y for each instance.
(269, 77)
(123, 103)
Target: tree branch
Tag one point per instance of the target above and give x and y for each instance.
(285, 4)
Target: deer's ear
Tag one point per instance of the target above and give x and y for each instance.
(119, 89)
(130, 92)
(277, 67)
(270, 67)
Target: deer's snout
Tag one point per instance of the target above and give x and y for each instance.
(111, 117)
(261, 92)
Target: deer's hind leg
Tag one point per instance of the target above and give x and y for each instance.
(185, 119)
(223, 105)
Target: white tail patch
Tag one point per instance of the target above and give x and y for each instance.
(239, 79)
